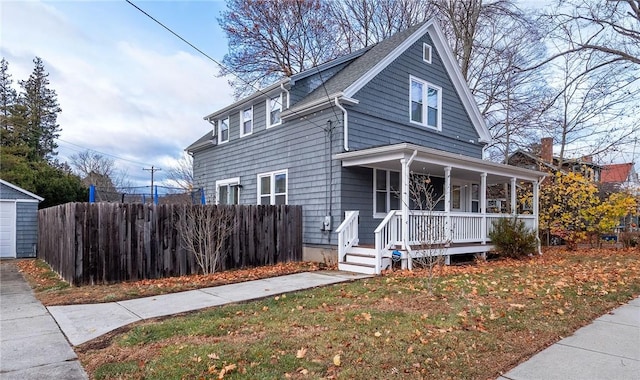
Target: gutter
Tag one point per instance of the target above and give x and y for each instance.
(287, 91)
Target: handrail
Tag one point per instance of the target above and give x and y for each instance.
(384, 236)
(347, 233)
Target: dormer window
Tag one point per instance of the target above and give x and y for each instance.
(426, 52)
(425, 102)
(274, 107)
(223, 131)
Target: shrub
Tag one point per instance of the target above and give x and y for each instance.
(630, 239)
(512, 239)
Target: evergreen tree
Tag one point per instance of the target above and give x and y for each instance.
(7, 103)
(41, 104)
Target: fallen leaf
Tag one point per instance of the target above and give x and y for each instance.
(213, 356)
(301, 353)
(377, 334)
(336, 360)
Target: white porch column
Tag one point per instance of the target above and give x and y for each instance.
(535, 205)
(404, 207)
(514, 203)
(483, 206)
(447, 203)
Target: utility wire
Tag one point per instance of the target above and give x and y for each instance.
(103, 153)
(224, 68)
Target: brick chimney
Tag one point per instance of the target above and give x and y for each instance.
(546, 149)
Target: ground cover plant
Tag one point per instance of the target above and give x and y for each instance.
(481, 320)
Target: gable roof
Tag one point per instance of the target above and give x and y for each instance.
(362, 66)
(21, 190)
(616, 172)
(362, 70)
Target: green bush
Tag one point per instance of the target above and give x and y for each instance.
(512, 239)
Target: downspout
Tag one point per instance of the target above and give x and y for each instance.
(345, 124)
(287, 91)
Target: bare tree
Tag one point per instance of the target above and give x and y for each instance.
(362, 23)
(493, 42)
(593, 105)
(181, 173)
(610, 29)
(269, 40)
(428, 227)
(96, 169)
(203, 232)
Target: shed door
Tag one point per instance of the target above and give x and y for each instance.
(7, 229)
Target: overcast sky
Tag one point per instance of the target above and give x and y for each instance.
(126, 86)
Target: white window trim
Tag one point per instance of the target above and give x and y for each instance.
(268, 107)
(227, 182)
(381, 214)
(242, 132)
(425, 103)
(426, 48)
(220, 141)
(272, 190)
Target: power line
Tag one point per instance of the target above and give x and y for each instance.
(224, 68)
(105, 154)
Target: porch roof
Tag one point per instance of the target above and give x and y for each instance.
(432, 161)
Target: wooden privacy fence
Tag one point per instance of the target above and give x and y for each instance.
(103, 243)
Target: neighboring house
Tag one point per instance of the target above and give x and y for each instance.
(549, 163)
(18, 221)
(342, 139)
(616, 177)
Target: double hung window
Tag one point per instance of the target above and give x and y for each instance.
(228, 191)
(425, 104)
(246, 122)
(274, 108)
(272, 188)
(223, 130)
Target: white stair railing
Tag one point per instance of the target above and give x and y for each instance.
(347, 234)
(387, 234)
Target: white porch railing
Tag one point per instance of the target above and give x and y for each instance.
(387, 234)
(347, 233)
(431, 227)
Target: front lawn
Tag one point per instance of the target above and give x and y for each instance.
(480, 321)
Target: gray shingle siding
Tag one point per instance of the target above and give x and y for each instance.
(374, 122)
(26, 228)
(8, 193)
(300, 146)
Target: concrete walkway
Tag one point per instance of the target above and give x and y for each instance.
(81, 323)
(608, 348)
(31, 344)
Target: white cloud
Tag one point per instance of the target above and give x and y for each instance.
(119, 95)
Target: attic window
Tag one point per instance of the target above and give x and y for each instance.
(426, 52)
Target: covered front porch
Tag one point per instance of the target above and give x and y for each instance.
(471, 194)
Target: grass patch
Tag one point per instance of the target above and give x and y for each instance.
(481, 320)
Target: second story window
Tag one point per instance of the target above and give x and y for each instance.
(274, 107)
(425, 104)
(223, 130)
(246, 122)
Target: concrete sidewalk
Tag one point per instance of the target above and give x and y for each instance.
(608, 348)
(31, 344)
(81, 323)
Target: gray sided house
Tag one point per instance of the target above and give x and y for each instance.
(343, 140)
(18, 221)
